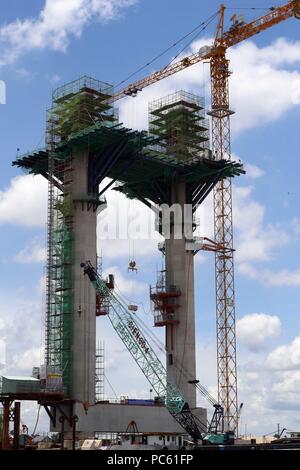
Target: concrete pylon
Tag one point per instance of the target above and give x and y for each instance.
(85, 248)
(180, 337)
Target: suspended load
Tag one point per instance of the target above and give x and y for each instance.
(133, 308)
(132, 266)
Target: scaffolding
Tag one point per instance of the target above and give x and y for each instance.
(164, 301)
(60, 259)
(178, 123)
(79, 105)
(75, 107)
(100, 372)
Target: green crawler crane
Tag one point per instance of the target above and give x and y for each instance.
(124, 324)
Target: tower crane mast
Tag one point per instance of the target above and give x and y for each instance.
(220, 113)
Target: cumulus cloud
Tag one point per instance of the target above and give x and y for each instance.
(281, 278)
(285, 391)
(258, 75)
(126, 286)
(253, 171)
(296, 226)
(285, 357)
(33, 252)
(255, 390)
(256, 239)
(255, 329)
(22, 321)
(269, 396)
(56, 23)
(24, 202)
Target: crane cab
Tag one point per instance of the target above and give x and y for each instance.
(237, 21)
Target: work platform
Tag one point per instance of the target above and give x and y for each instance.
(126, 156)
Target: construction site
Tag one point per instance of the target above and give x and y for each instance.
(171, 168)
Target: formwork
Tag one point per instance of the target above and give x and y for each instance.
(178, 122)
(78, 105)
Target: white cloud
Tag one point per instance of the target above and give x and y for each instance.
(255, 239)
(24, 202)
(258, 75)
(22, 320)
(33, 252)
(56, 23)
(20, 329)
(269, 396)
(253, 171)
(285, 357)
(126, 286)
(281, 278)
(247, 269)
(23, 361)
(285, 393)
(296, 226)
(54, 79)
(253, 330)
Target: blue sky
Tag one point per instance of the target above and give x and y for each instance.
(45, 44)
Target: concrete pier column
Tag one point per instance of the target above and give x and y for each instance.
(180, 337)
(84, 324)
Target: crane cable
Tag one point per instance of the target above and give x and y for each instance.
(193, 39)
(250, 8)
(162, 348)
(186, 317)
(112, 388)
(205, 24)
(183, 371)
(37, 420)
(148, 333)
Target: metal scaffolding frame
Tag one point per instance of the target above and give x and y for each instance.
(100, 372)
(59, 283)
(75, 107)
(224, 258)
(178, 123)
